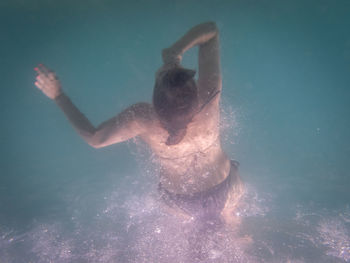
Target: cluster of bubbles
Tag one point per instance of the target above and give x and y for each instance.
(133, 228)
(128, 225)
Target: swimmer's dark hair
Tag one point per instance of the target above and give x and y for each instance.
(175, 100)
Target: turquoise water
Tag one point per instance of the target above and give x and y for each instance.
(285, 117)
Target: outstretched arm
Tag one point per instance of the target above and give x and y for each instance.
(126, 125)
(206, 36)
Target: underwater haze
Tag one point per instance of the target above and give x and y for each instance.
(285, 118)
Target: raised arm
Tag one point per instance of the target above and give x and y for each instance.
(206, 36)
(126, 125)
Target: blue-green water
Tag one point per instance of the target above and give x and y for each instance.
(285, 104)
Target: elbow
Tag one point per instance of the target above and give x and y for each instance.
(93, 139)
(95, 142)
(95, 145)
(212, 27)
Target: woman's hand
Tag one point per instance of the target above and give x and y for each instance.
(48, 82)
(171, 57)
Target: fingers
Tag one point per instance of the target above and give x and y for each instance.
(43, 71)
(45, 75)
(40, 70)
(45, 78)
(39, 85)
(47, 82)
(47, 72)
(41, 80)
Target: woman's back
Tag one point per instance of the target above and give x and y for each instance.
(197, 162)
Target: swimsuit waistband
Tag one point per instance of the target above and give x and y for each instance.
(199, 204)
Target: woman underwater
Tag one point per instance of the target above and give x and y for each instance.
(181, 127)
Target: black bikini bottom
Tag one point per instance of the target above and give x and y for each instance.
(205, 204)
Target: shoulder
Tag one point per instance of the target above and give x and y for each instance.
(141, 108)
(143, 113)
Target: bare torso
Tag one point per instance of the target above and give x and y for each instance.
(197, 162)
